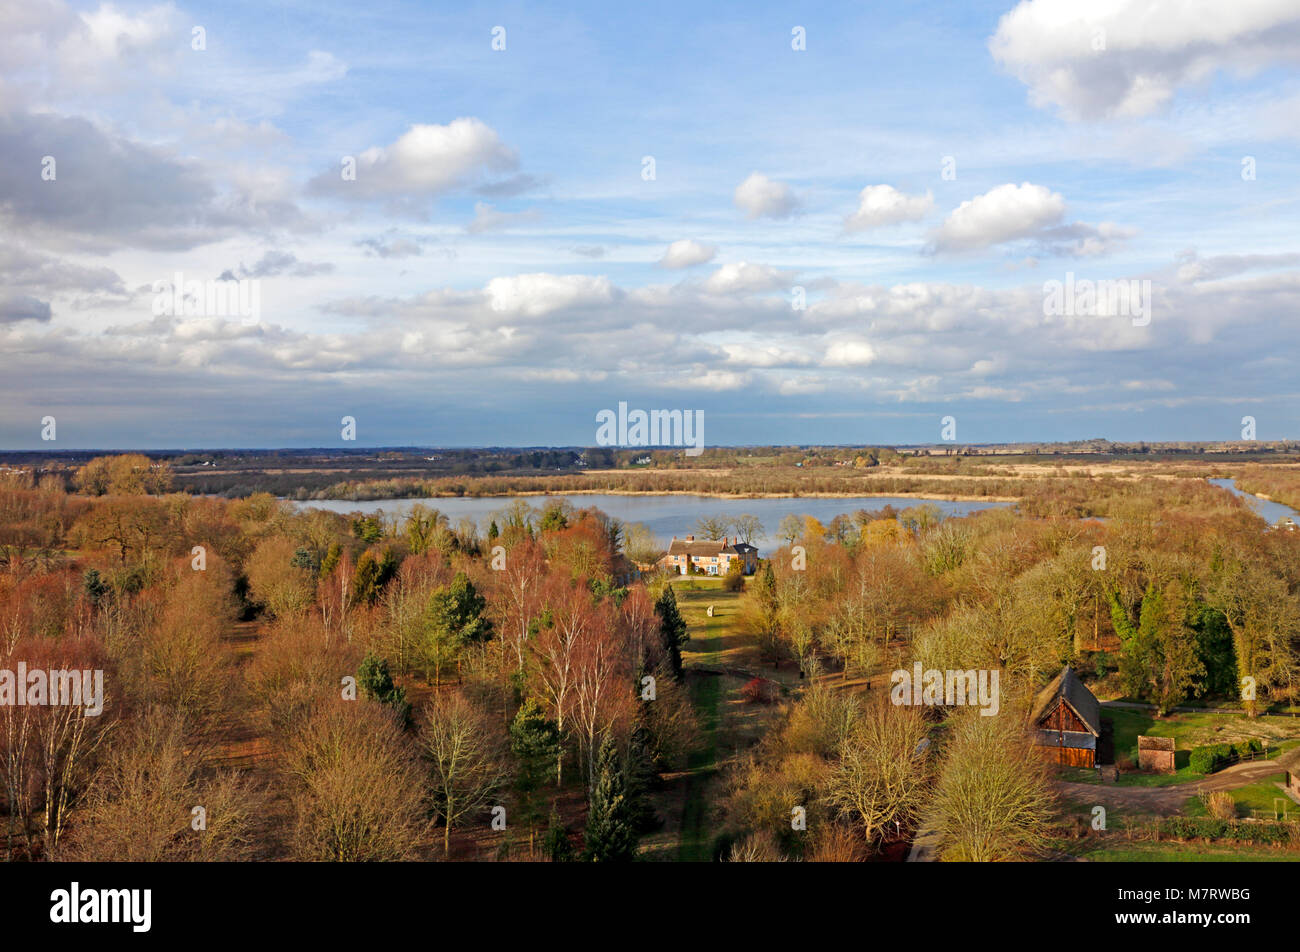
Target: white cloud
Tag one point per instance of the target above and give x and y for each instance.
(1196, 269)
(535, 295)
(113, 191)
(427, 160)
(700, 378)
(761, 197)
(759, 354)
(741, 277)
(1004, 213)
(880, 205)
(849, 352)
(687, 253)
(1129, 57)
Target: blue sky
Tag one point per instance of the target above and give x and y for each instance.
(501, 268)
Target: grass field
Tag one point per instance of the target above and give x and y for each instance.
(1167, 852)
(718, 659)
(1189, 730)
(1259, 799)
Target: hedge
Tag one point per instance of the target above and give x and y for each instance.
(1208, 828)
(1214, 757)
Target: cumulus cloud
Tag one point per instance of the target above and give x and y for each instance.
(741, 277)
(686, 253)
(107, 191)
(535, 295)
(22, 307)
(880, 205)
(761, 197)
(548, 339)
(850, 352)
(1004, 213)
(424, 162)
(1024, 213)
(30, 270)
(1129, 57)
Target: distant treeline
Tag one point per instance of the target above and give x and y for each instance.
(744, 483)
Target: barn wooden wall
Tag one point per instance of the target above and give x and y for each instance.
(1070, 756)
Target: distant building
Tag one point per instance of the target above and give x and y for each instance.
(709, 556)
(1290, 764)
(1156, 753)
(1066, 720)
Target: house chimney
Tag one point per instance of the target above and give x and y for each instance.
(690, 538)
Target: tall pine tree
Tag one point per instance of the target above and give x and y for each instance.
(672, 629)
(611, 820)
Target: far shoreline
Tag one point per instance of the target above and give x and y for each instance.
(934, 497)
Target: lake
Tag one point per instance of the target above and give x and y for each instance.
(666, 516)
(1268, 510)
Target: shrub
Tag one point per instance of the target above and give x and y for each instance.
(1242, 749)
(1202, 760)
(1220, 805)
(758, 691)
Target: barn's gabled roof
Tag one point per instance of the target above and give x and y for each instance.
(1067, 687)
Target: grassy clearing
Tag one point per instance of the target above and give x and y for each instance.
(1262, 796)
(1170, 852)
(1188, 730)
(728, 725)
(695, 837)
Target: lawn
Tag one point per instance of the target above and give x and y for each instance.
(1259, 796)
(1170, 852)
(1188, 731)
(727, 723)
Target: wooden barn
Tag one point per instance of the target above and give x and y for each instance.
(1067, 721)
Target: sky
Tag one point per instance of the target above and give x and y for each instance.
(482, 225)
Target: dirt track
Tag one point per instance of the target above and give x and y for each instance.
(1166, 800)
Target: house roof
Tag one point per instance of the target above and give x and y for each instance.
(1067, 687)
(701, 547)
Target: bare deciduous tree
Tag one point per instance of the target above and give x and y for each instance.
(355, 786)
(466, 748)
(882, 774)
(993, 800)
